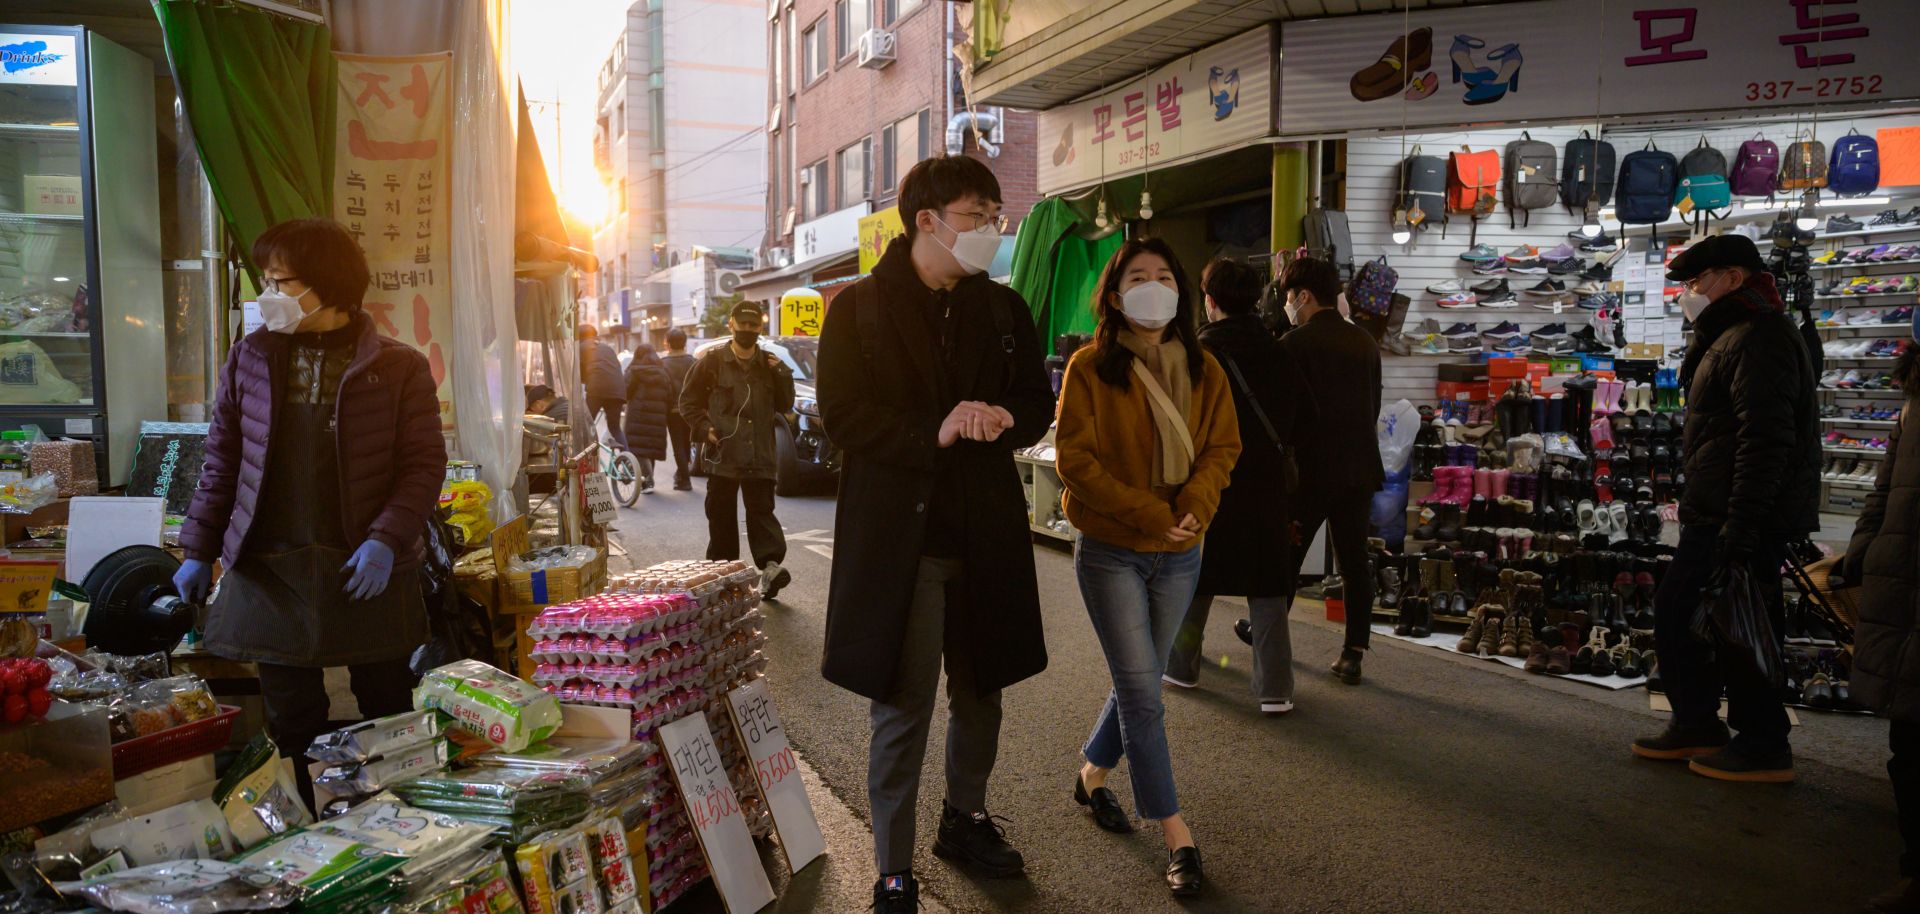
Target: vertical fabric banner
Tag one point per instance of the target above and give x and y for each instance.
(390, 189)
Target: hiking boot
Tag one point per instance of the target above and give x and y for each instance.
(1347, 668)
(977, 842)
(896, 895)
(1683, 742)
(772, 579)
(1749, 766)
(682, 483)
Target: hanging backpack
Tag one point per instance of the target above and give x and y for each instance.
(1854, 169)
(1371, 291)
(1328, 237)
(1756, 167)
(1587, 174)
(1531, 177)
(1703, 186)
(1423, 189)
(1473, 184)
(1804, 166)
(1647, 179)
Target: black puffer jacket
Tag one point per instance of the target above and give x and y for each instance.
(650, 396)
(1752, 439)
(1884, 558)
(1249, 549)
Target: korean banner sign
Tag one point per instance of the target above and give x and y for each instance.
(390, 186)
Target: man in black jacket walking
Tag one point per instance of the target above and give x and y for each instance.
(679, 364)
(931, 376)
(732, 399)
(1752, 456)
(606, 383)
(1340, 454)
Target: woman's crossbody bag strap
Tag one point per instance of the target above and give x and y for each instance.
(1164, 404)
(1290, 474)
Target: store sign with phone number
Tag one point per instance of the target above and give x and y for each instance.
(1565, 60)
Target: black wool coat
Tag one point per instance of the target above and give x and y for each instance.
(1884, 557)
(1340, 365)
(650, 396)
(883, 400)
(1249, 549)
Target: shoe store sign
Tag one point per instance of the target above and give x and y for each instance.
(1565, 60)
(1210, 100)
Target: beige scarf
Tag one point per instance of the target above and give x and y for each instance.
(1167, 362)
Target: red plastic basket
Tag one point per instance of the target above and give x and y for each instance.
(175, 744)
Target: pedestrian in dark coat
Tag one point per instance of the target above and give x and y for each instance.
(1883, 560)
(679, 364)
(1752, 454)
(931, 376)
(650, 397)
(323, 463)
(606, 384)
(1249, 551)
(736, 399)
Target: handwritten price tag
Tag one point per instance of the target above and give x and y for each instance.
(702, 777)
(778, 772)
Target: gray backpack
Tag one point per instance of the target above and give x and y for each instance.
(1328, 237)
(1533, 177)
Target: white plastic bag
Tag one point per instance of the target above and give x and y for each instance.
(1398, 425)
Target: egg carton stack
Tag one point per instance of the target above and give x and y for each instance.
(730, 640)
(638, 652)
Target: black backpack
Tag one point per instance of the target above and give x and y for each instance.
(1531, 166)
(1423, 184)
(1328, 237)
(1587, 173)
(1647, 180)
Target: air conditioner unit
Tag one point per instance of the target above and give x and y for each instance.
(780, 257)
(726, 282)
(806, 176)
(876, 48)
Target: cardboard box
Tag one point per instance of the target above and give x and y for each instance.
(1460, 390)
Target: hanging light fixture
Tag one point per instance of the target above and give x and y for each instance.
(1146, 205)
(1100, 212)
(1590, 226)
(1808, 219)
(1402, 229)
(1402, 232)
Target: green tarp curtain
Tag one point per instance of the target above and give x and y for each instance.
(259, 93)
(1056, 270)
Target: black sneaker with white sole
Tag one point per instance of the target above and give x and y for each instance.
(897, 894)
(1489, 288)
(773, 579)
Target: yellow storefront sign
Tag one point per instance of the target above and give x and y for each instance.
(802, 312)
(875, 231)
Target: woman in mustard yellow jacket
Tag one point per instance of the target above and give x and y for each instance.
(1147, 438)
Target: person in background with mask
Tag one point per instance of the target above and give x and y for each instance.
(1147, 438)
(1339, 461)
(1752, 455)
(931, 376)
(734, 396)
(1250, 548)
(323, 464)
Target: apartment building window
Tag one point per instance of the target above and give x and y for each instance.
(779, 62)
(776, 187)
(855, 163)
(793, 54)
(850, 18)
(813, 45)
(902, 143)
(619, 120)
(657, 118)
(895, 9)
(813, 190)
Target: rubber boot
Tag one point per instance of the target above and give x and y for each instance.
(1481, 483)
(1538, 407)
(1497, 481)
(1556, 413)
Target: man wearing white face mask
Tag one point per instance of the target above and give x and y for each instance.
(1752, 452)
(931, 376)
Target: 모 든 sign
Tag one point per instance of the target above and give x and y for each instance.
(715, 812)
(778, 771)
(390, 189)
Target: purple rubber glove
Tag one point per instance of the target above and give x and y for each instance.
(372, 565)
(193, 580)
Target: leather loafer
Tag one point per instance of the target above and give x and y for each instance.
(1105, 807)
(1184, 878)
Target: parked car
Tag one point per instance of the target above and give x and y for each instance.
(808, 460)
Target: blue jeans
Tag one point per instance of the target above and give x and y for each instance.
(1137, 601)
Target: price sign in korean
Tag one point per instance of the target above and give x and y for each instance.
(765, 740)
(715, 812)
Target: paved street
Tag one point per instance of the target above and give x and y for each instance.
(1445, 784)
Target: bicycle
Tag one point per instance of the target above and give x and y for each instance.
(621, 468)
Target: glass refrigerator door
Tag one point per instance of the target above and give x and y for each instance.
(46, 346)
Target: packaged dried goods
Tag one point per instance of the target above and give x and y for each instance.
(187, 887)
(508, 712)
(374, 737)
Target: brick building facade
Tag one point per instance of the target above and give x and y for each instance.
(841, 133)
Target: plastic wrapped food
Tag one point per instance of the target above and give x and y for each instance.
(30, 494)
(187, 887)
(257, 795)
(612, 860)
(508, 712)
(330, 868)
(427, 839)
(500, 790)
(477, 883)
(184, 699)
(552, 557)
(595, 758)
(382, 771)
(367, 739)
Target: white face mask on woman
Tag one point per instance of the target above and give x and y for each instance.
(280, 311)
(1150, 304)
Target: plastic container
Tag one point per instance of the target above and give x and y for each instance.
(175, 744)
(16, 452)
(55, 766)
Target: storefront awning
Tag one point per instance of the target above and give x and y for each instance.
(766, 285)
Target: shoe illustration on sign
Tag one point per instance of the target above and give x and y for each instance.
(1063, 153)
(1485, 84)
(1223, 91)
(1398, 70)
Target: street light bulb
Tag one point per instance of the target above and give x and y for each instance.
(1146, 205)
(1100, 214)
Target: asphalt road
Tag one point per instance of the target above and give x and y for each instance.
(1443, 784)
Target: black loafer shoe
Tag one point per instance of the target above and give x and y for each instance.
(1347, 668)
(1243, 630)
(1104, 805)
(1184, 877)
(976, 842)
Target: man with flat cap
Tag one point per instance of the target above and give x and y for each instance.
(734, 395)
(1752, 458)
